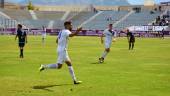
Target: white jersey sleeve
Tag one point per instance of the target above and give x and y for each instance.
(67, 33)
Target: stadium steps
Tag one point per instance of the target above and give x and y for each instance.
(58, 24)
(81, 17)
(50, 24)
(122, 19)
(4, 15)
(65, 15)
(17, 14)
(138, 19)
(90, 19)
(71, 15)
(33, 14)
(49, 15)
(100, 22)
(35, 23)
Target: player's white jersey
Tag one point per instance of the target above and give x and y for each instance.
(43, 33)
(108, 37)
(63, 39)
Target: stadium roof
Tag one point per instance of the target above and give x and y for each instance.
(74, 2)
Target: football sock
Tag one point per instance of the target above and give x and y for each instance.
(43, 40)
(104, 54)
(129, 46)
(22, 52)
(51, 66)
(132, 45)
(71, 70)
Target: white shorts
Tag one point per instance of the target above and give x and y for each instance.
(43, 35)
(108, 44)
(62, 57)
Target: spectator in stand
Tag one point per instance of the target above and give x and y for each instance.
(160, 8)
(167, 23)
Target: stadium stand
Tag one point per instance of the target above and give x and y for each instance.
(101, 21)
(35, 23)
(98, 23)
(136, 19)
(49, 15)
(81, 17)
(58, 24)
(17, 14)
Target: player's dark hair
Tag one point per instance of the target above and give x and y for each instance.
(19, 25)
(110, 24)
(67, 23)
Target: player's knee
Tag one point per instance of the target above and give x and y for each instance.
(108, 50)
(59, 66)
(68, 63)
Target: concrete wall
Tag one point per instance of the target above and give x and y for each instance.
(88, 8)
(61, 8)
(83, 7)
(106, 7)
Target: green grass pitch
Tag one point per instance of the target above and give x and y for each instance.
(145, 71)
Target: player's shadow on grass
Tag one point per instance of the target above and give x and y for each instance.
(98, 63)
(95, 63)
(45, 87)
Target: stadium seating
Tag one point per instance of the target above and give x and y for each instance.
(137, 19)
(35, 23)
(81, 17)
(101, 21)
(71, 15)
(58, 24)
(17, 14)
(98, 23)
(49, 15)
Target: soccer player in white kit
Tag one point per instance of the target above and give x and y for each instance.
(43, 34)
(63, 56)
(109, 34)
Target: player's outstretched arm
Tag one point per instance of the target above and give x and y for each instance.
(16, 36)
(75, 33)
